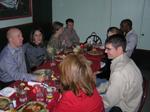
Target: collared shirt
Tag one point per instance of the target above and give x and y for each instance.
(132, 39)
(70, 37)
(125, 85)
(13, 66)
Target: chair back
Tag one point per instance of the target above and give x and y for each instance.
(94, 39)
(145, 94)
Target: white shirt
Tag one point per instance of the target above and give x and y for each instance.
(125, 85)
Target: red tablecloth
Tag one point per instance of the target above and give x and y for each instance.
(31, 95)
(95, 59)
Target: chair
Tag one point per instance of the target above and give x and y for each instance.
(93, 39)
(145, 94)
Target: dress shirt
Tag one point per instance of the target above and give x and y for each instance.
(70, 37)
(125, 85)
(80, 103)
(132, 39)
(13, 66)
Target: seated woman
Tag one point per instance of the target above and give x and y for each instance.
(35, 51)
(79, 93)
(55, 42)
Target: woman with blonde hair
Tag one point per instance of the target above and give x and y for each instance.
(79, 93)
(55, 40)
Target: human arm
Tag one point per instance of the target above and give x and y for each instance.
(76, 38)
(13, 71)
(132, 40)
(114, 91)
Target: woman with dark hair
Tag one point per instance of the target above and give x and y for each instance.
(35, 50)
(79, 93)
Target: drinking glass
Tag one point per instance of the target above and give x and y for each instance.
(22, 95)
(39, 93)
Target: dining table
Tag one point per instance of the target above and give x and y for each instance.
(56, 94)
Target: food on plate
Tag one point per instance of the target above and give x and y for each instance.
(34, 107)
(4, 102)
(60, 57)
(22, 84)
(26, 88)
(94, 51)
(42, 72)
(53, 77)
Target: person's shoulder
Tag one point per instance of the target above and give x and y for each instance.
(27, 46)
(132, 33)
(68, 94)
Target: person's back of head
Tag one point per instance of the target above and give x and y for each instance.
(113, 30)
(76, 75)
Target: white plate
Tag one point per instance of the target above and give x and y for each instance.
(4, 102)
(43, 72)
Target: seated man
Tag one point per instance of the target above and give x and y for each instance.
(12, 61)
(125, 84)
(69, 35)
(130, 35)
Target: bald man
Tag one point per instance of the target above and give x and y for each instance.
(12, 61)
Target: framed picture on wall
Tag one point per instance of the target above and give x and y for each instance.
(12, 9)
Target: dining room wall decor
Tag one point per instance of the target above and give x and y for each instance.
(12, 9)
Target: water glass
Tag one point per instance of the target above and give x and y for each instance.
(22, 95)
(39, 93)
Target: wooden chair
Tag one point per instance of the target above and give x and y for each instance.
(94, 38)
(145, 94)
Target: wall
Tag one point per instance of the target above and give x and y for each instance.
(98, 15)
(89, 15)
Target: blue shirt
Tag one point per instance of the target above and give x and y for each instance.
(13, 66)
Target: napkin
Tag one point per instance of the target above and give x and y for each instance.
(103, 87)
(7, 91)
(32, 83)
(102, 64)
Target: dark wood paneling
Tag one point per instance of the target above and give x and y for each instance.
(142, 58)
(25, 28)
(42, 15)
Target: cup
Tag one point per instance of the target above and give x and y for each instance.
(49, 94)
(22, 94)
(39, 90)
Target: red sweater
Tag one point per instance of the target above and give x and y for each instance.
(81, 103)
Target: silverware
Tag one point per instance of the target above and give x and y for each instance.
(18, 108)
